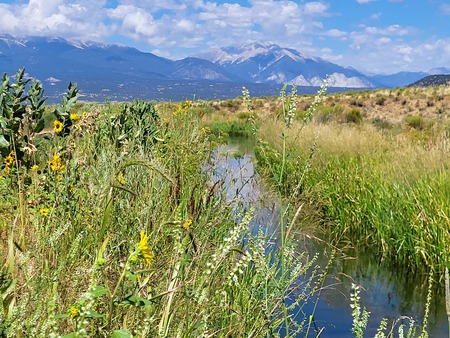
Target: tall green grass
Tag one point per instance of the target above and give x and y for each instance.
(386, 192)
(117, 231)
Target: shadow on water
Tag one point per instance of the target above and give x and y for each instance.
(387, 292)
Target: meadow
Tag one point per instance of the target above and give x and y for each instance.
(111, 227)
(370, 167)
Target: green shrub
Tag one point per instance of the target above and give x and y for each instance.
(380, 100)
(354, 116)
(244, 115)
(325, 114)
(417, 122)
(382, 123)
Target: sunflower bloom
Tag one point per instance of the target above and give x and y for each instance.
(57, 126)
(74, 117)
(9, 160)
(35, 167)
(44, 212)
(55, 163)
(147, 253)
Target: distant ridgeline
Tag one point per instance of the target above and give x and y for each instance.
(432, 81)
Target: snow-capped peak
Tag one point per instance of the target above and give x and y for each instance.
(243, 53)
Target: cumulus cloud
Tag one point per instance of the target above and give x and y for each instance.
(335, 33)
(80, 19)
(163, 24)
(178, 28)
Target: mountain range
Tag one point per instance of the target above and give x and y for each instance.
(103, 70)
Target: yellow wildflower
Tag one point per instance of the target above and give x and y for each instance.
(55, 162)
(74, 117)
(7, 171)
(35, 167)
(187, 223)
(84, 114)
(9, 160)
(57, 126)
(44, 212)
(120, 178)
(73, 311)
(147, 253)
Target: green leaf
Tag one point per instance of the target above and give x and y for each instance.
(131, 276)
(39, 126)
(61, 316)
(121, 334)
(71, 335)
(3, 142)
(93, 314)
(98, 291)
(136, 300)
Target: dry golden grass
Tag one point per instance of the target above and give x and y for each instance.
(392, 105)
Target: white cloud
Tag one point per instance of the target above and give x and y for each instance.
(376, 16)
(389, 31)
(177, 28)
(335, 33)
(445, 9)
(364, 1)
(315, 8)
(79, 19)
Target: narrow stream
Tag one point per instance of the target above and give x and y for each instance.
(386, 292)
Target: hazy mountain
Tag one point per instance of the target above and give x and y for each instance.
(116, 72)
(59, 59)
(398, 79)
(270, 63)
(439, 71)
(62, 59)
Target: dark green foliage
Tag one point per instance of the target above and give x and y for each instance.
(354, 116)
(325, 114)
(233, 128)
(62, 112)
(20, 115)
(137, 120)
(382, 123)
(416, 121)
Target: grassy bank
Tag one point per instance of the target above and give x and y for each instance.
(110, 228)
(384, 186)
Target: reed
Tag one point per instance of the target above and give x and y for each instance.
(385, 191)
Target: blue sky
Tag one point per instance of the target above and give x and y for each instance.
(381, 36)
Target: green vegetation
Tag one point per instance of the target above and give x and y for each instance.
(378, 188)
(110, 228)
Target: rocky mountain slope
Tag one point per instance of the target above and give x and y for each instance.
(270, 63)
(432, 81)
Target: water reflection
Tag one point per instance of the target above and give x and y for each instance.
(386, 292)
